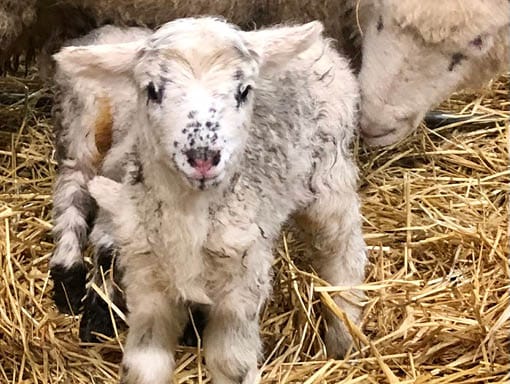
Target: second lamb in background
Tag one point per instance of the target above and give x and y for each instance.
(234, 133)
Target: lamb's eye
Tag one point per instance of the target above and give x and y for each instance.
(154, 94)
(242, 94)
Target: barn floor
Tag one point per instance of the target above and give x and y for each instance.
(436, 221)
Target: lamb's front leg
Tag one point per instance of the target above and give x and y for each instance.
(232, 343)
(155, 324)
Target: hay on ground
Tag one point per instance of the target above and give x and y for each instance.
(435, 218)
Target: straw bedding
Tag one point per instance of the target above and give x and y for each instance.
(435, 218)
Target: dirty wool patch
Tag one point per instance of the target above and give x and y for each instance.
(435, 219)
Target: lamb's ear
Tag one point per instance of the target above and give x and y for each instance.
(98, 60)
(276, 46)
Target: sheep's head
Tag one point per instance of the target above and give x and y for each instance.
(196, 80)
(415, 54)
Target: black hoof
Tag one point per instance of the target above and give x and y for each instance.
(189, 337)
(68, 287)
(96, 319)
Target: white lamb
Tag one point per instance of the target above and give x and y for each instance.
(234, 132)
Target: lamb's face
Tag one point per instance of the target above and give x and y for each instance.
(197, 94)
(196, 80)
(402, 77)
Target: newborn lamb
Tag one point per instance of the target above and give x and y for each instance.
(234, 132)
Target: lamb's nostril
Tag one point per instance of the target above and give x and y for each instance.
(192, 156)
(216, 158)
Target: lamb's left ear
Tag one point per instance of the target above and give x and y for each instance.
(276, 46)
(98, 60)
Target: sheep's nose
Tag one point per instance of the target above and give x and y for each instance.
(203, 159)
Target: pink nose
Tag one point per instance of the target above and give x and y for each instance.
(203, 159)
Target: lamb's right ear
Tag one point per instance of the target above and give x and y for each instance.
(276, 46)
(98, 60)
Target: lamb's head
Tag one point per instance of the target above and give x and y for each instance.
(415, 54)
(197, 79)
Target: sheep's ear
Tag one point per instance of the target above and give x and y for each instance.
(276, 46)
(98, 60)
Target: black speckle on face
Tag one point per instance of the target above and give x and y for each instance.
(477, 42)
(176, 144)
(192, 114)
(194, 124)
(456, 60)
(380, 24)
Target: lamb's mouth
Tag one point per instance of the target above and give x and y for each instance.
(209, 182)
(203, 182)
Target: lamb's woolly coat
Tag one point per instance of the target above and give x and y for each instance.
(181, 245)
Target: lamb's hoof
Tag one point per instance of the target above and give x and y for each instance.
(338, 341)
(68, 287)
(96, 319)
(190, 337)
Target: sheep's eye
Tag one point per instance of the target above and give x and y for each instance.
(154, 94)
(242, 94)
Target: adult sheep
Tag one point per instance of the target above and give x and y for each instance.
(416, 53)
(234, 132)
